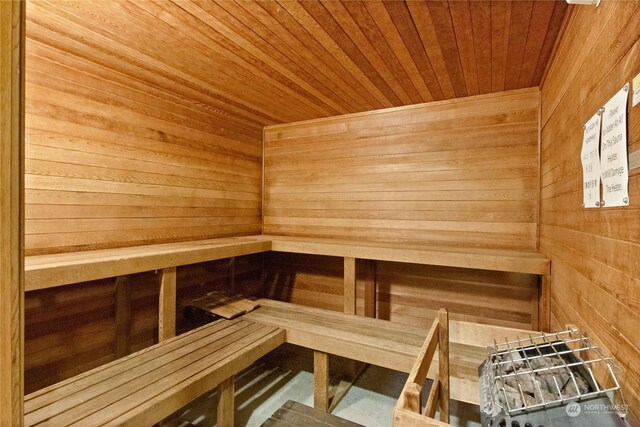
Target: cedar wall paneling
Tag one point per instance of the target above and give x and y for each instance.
(71, 329)
(461, 172)
(458, 172)
(119, 150)
(406, 293)
(595, 253)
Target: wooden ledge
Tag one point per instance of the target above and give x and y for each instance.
(510, 260)
(46, 271)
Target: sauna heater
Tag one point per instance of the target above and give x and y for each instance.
(550, 380)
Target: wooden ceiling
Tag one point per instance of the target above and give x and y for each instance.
(282, 61)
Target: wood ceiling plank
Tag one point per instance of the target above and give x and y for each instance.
(553, 31)
(384, 22)
(242, 32)
(343, 39)
(149, 48)
(297, 60)
(415, 26)
(46, 25)
(376, 37)
(519, 28)
(441, 18)
(500, 34)
(482, 35)
(221, 54)
(540, 20)
(461, 16)
(254, 60)
(318, 54)
(307, 21)
(342, 16)
(283, 33)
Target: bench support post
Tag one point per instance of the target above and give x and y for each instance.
(123, 318)
(232, 275)
(226, 403)
(544, 303)
(349, 285)
(167, 313)
(369, 288)
(321, 381)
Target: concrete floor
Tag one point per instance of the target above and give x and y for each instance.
(287, 374)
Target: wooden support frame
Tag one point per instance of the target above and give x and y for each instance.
(226, 403)
(321, 381)
(407, 412)
(167, 310)
(232, 274)
(544, 303)
(349, 285)
(12, 24)
(123, 317)
(370, 288)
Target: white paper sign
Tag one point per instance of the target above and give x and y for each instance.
(591, 163)
(613, 154)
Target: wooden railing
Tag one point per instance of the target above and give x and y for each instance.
(408, 411)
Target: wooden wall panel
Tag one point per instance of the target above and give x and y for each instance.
(594, 252)
(71, 329)
(459, 172)
(11, 214)
(114, 156)
(406, 293)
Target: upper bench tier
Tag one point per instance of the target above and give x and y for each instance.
(46, 271)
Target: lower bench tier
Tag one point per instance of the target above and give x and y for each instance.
(149, 385)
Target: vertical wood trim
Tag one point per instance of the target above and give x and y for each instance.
(349, 285)
(321, 381)
(370, 286)
(226, 403)
(262, 184)
(443, 364)
(263, 276)
(232, 274)
(539, 192)
(11, 215)
(544, 303)
(123, 318)
(167, 312)
(535, 307)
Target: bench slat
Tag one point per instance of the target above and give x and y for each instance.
(59, 390)
(183, 365)
(125, 376)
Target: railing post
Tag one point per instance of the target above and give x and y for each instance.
(443, 364)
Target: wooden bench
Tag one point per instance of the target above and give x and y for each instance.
(46, 271)
(145, 387)
(383, 343)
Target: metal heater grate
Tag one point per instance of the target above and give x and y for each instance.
(524, 376)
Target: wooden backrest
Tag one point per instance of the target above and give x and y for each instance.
(408, 411)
